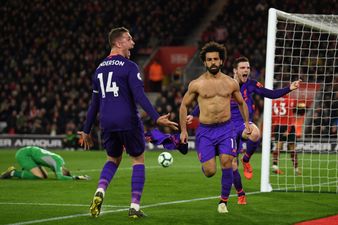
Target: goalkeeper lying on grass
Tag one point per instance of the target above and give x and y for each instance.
(32, 159)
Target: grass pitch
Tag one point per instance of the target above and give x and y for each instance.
(177, 195)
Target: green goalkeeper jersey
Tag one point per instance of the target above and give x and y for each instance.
(32, 156)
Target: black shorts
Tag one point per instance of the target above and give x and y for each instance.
(279, 131)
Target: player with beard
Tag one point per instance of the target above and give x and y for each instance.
(241, 69)
(215, 135)
(117, 88)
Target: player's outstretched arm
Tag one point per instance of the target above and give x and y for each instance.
(92, 112)
(295, 85)
(164, 121)
(277, 93)
(139, 96)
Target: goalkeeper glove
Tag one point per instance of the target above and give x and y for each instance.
(81, 177)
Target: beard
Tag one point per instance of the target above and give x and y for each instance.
(214, 69)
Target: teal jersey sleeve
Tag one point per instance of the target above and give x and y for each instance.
(59, 175)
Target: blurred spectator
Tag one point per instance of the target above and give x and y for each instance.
(70, 141)
(11, 123)
(334, 132)
(48, 55)
(156, 76)
(177, 77)
(49, 49)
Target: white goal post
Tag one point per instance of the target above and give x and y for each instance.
(303, 46)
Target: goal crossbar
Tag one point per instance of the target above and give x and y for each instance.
(308, 22)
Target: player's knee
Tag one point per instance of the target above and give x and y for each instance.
(115, 160)
(209, 172)
(255, 134)
(226, 164)
(254, 137)
(36, 171)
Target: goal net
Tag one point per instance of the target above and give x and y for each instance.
(302, 47)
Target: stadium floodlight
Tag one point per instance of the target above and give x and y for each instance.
(303, 46)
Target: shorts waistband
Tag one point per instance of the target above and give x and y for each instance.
(215, 124)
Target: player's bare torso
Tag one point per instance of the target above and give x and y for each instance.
(213, 96)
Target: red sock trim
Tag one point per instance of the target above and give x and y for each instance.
(224, 199)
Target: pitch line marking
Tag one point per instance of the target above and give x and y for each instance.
(124, 209)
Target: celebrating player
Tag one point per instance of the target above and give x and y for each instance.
(241, 69)
(213, 91)
(33, 159)
(117, 88)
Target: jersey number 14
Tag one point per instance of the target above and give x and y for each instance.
(110, 86)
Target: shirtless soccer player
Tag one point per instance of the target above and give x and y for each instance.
(215, 135)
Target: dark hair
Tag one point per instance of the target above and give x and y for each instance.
(213, 47)
(116, 33)
(239, 60)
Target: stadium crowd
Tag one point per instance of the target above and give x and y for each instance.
(50, 50)
(244, 31)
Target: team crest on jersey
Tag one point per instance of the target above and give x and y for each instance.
(139, 76)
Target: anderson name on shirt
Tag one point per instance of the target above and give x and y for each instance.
(112, 62)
